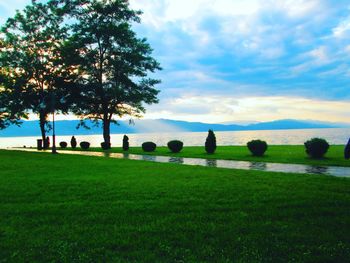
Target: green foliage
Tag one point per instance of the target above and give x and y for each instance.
(316, 147)
(125, 143)
(210, 142)
(31, 63)
(113, 62)
(73, 142)
(85, 145)
(149, 146)
(175, 146)
(257, 147)
(63, 145)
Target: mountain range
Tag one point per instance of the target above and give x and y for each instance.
(68, 127)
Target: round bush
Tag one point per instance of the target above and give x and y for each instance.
(85, 145)
(149, 146)
(105, 146)
(63, 145)
(316, 147)
(175, 146)
(257, 147)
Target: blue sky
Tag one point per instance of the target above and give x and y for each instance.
(246, 60)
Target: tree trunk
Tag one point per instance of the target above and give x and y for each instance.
(106, 131)
(42, 121)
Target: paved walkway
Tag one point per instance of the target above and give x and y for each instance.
(338, 171)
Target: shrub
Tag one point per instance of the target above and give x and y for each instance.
(316, 147)
(210, 142)
(63, 145)
(125, 143)
(175, 146)
(347, 150)
(105, 146)
(257, 147)
(85, 145)
(149, 146)
(73, 142)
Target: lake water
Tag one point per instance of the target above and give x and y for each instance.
(272, 137)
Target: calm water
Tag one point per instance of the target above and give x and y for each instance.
(333, 136)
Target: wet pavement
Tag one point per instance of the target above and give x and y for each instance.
(338, 171)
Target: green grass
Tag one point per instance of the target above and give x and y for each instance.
(70, 208)
(275, 154)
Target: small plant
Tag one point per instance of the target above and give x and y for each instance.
(210, 142)
(125, 143)
(63, 145)
(257, 147)
(105, 146)
(149, 146)
(316, 147)
(73, 142)
(85, 145)
(175, 146)
(347, 151)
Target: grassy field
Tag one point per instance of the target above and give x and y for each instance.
(275, 153)
(67, 208)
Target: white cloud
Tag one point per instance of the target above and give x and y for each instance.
(216, 109)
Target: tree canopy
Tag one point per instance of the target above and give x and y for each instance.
(31, 61)
(84, 50)
(113, 62)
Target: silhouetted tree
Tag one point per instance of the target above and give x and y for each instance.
(125, 143)
(347, 150)
(112, 61)
(210, 143)
(73, 142)
(31, 63)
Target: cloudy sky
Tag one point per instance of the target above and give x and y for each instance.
(246, 60)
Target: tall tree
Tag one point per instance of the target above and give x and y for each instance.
(112, 61)
(31, 60)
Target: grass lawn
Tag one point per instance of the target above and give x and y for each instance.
(274, 153)
(68, 208)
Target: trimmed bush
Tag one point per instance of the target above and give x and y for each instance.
(85, 145)
(63, 145)
(347, 150)
(125, 143)
(316, 147)
(149, 146)
(73, 142)
(210, 142)
(257, 147)
(175, 146)
(105, 146)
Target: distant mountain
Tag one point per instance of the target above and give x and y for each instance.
(31, 128)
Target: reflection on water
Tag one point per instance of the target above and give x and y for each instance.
(257, 166)
(272, 137)
(178, 160)
(211, 163)
(230, 164)
(317, 170)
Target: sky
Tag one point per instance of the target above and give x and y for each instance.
(245, 60)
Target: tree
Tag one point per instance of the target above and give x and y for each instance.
(210, 142)
(11, 112)
(32, 63)
(112, 61)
